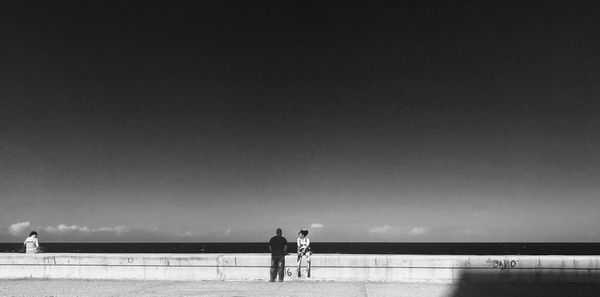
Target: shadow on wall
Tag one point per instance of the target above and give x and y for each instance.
(528, 282)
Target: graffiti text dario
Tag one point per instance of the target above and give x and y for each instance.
(503, 264)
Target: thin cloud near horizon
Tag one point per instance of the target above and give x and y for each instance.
(120, 233)
(17, 229)
(414, 231)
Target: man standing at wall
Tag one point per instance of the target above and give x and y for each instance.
(278, 248)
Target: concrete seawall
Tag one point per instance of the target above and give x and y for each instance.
(325, 267)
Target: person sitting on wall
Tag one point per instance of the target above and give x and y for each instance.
(303, 250)
(32, 244)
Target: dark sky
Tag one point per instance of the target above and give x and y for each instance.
(220, 121)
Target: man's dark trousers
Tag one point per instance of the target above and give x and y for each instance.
(277, 266)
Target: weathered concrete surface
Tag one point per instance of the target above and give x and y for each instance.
(96, 288)
(325, 267)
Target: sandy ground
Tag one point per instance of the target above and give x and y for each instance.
(64, 288)
(70, 288)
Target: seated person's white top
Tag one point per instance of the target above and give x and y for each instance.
(303, 244)
(31, 245)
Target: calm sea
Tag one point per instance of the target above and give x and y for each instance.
(428, 248)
